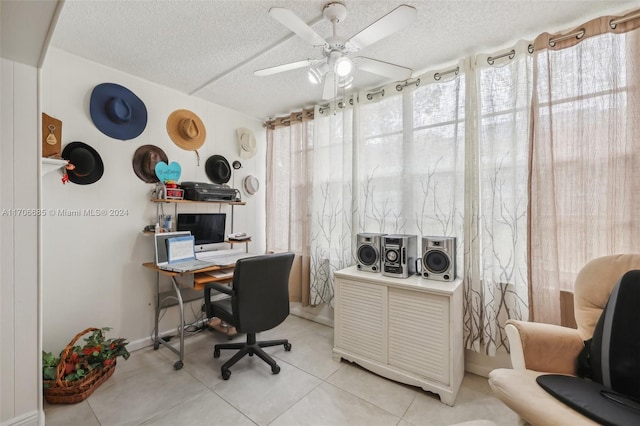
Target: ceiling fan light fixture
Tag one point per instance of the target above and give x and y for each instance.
(317, 73)
(343, 66)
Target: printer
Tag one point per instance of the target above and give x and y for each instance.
(202, 191)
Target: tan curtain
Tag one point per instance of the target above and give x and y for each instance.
(288, 187)
(584, 155)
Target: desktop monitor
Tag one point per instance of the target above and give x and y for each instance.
(208, 229)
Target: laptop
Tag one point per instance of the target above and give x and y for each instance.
(175, 252)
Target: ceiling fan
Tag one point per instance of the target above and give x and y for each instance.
(336, 67)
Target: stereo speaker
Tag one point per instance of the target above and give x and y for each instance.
(369, 252)
(439, 258)
(400, 253)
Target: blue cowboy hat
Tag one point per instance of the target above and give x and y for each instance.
(117, 111)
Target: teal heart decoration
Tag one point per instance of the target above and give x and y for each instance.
(171, 171)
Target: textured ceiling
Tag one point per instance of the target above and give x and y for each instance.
(209, 49)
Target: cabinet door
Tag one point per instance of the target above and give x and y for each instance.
(419, 333)
(360, 319)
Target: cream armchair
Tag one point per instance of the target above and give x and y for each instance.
(538, 348)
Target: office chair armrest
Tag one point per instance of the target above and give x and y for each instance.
(218, 287)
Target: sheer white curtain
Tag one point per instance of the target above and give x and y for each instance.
(289, 177)
(331, 199)
(585, 190)
(496, 216)
(404, 174)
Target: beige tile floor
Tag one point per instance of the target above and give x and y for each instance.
(311, 389)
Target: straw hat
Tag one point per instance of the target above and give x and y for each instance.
(88, 164)
(144, 162)
(251, 184)
(117, 111)
(246, 142)
(186, 129)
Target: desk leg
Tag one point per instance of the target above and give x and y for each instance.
(178, 364)
(156, 332)
(157, 340)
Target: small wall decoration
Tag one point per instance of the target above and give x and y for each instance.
(168, 172)
(51, 137)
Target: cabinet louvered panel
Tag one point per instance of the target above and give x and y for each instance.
(419, 333)
(362, 321)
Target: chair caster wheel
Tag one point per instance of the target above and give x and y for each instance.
(226, 374)
(275, 369)
(178, 365)
(216, 353)
(287, 347)
(250, 353)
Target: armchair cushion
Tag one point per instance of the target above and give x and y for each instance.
(519, 390)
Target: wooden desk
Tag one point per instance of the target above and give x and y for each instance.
(180, 295)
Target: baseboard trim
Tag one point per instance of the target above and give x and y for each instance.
(27, 419)
(320, 314)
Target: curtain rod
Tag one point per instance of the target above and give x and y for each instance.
(306, 114)
(577, 34)
(614, 22)
(437, 76)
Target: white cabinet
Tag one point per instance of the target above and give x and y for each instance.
(408, 330)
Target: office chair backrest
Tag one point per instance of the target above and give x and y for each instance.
(261, 291)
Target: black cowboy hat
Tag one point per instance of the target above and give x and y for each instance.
(88, 166)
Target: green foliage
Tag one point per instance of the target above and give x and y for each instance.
(97, 352)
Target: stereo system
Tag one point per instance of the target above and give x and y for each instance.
(439, 258)
(400, 253)
(369, 252)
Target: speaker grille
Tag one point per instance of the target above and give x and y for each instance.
(367, 255)
(436, 262)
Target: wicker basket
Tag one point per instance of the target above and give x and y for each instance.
(60, 391)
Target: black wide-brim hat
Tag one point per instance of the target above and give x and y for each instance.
(87, 162)
(117, 111)
(144, 162)
(218, 169)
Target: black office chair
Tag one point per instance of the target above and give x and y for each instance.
(259, 301)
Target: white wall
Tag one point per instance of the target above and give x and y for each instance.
(92, 273)
(19, 337)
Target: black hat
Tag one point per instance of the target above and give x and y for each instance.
(144, 162)
(88, 164)
(217, 169)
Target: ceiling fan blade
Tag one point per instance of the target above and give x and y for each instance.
(393, 21)
(284, 67)
(297, 25)
(394, 72)
(329, 89)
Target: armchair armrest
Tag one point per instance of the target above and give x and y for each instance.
(543, 347)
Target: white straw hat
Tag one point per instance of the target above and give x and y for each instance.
(246, 142)
(251, 184)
